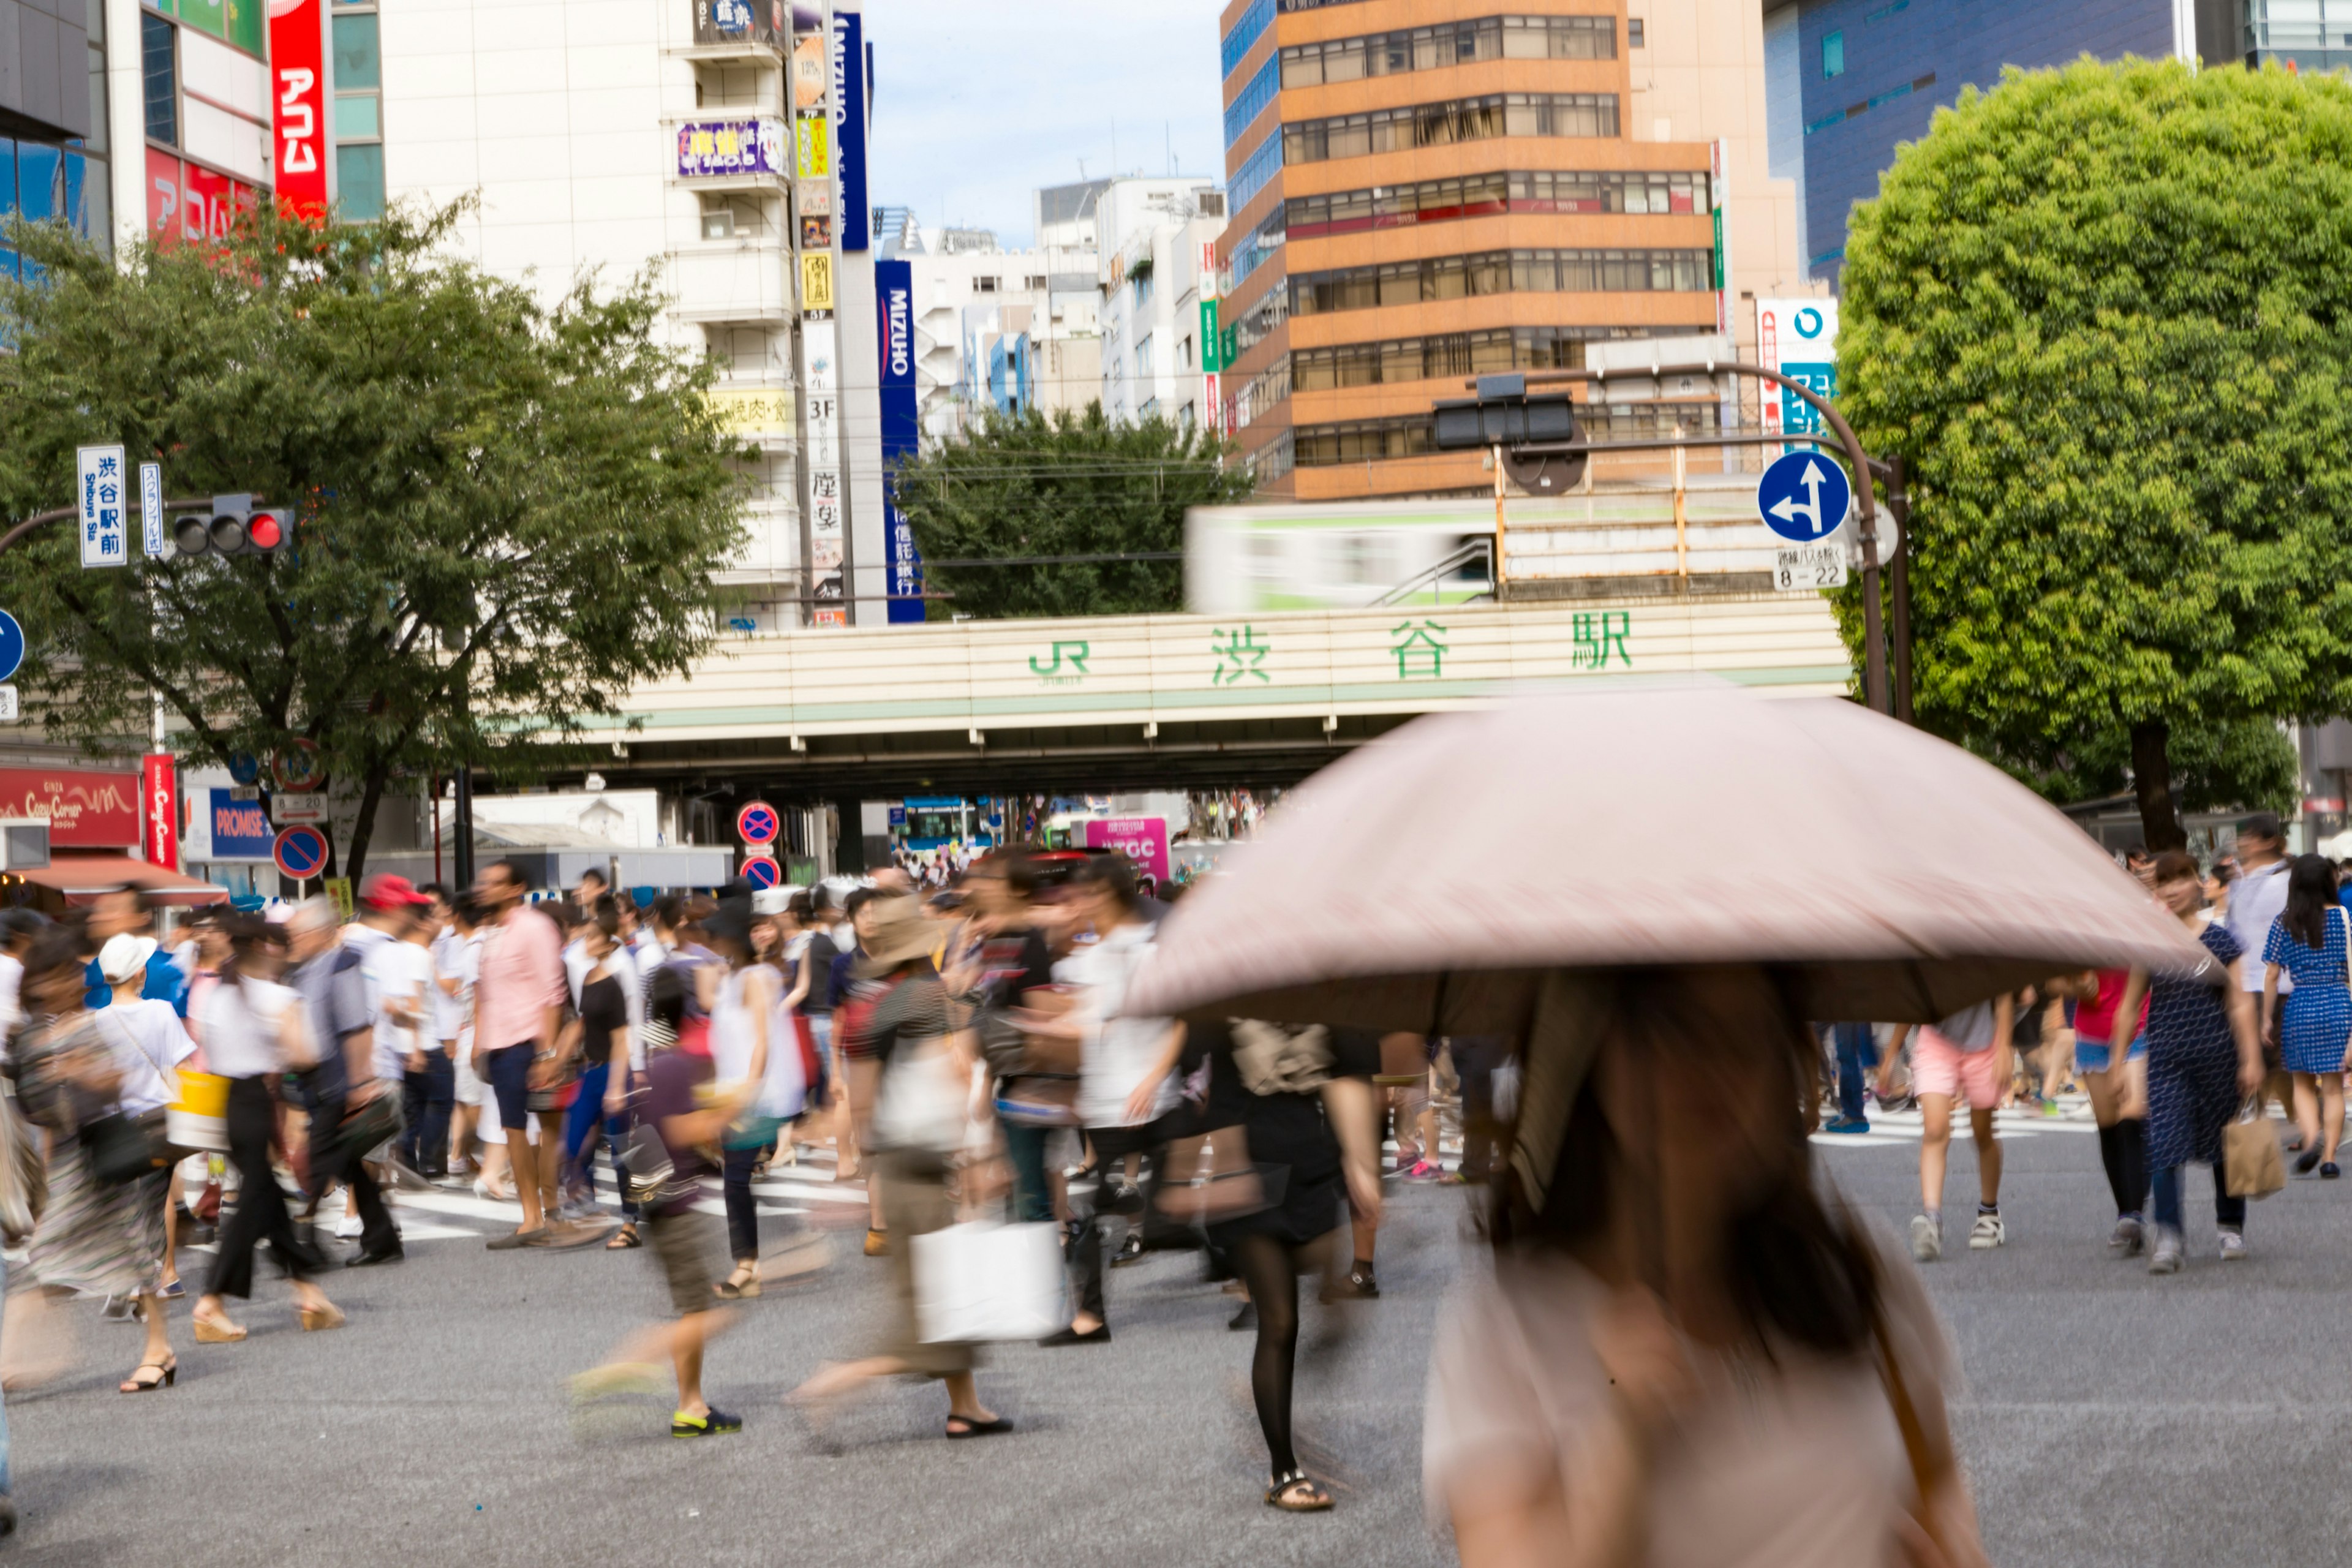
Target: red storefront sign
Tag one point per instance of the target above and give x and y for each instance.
(159, 796)
(188, 201)
(298, 98)
(84, 810)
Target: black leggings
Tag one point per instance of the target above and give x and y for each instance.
(1270, 1267)
(260, 1214)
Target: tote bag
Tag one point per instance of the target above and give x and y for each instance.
(984, 1282)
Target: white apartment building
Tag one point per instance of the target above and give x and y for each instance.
(977, 304)
(1157, 267)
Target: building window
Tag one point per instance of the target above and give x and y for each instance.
(1032, 284)
(1485, 195)
(1502, 272)
(1477, 119)
(359, 180)
(986, 285)
(1184, 352)
(1143, 357)
(1262, 165)
(358, 61)
(1451, 43)
(1632, 32)
(1251, 101)
(1444, 354)
(1833, 54)
(159, 62)
(357, 111)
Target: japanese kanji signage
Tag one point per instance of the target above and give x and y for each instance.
(101, 493)
(708, 148)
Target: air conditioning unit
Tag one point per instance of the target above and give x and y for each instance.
(24, 843)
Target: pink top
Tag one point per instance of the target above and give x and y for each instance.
(523, 976)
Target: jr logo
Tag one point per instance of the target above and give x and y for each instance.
(1071, 655)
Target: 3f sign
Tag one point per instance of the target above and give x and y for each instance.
(296, 124)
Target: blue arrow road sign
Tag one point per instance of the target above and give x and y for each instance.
(11, 646)
(1803, 496)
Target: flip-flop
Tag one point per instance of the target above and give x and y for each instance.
(624, 1238)
(973, 1428)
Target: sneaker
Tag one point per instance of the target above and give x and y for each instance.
(877, 1243)
(349, 1228)
(2233, 1246)
(2166, 1259)
(1926, 1240)
(1130, 1251)
(1986, 1234)
(710, 1424)
(1847, 1124)
(2128, 1238)
(1422, 1171)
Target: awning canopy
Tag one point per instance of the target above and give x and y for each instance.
(82, 877)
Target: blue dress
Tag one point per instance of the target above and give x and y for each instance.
(2192, 1062)
(2315, 1017)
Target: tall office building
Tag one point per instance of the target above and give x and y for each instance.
(1422, 190)
(1850, 80)
(53, 128)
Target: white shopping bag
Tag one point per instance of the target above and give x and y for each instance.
(985, 1281)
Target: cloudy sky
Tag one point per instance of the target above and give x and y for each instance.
(977, 102)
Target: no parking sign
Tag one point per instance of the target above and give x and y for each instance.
(300, 852)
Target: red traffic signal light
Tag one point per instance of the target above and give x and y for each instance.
(266, 532)
(233, 527)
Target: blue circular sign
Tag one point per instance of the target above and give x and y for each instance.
(1803, 497)
(761, 872)
(300, 852)
(244, 768)
(11, 646)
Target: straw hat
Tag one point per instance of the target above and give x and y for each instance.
(901, 934)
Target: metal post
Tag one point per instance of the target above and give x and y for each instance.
(1898, 507)
(463, 850)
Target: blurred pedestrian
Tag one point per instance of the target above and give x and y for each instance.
(102, 1233)
(257, 1031)
(2256, 899)
(2310, 946)
(1683, 1357)
(924, 1079)
(352, 1067)
(2204, 1057)
(1856, 1055)
(1963, 1059)
(740, 996)
(517, 1009)
(2117, 1086)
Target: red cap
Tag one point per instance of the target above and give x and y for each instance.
(386, 891)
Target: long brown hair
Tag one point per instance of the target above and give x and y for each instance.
(1798, 1269)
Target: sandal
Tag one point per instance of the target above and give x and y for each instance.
(213, 1331)
(1294, 1492)
(976, 1428)
(741, 1286)
(623, 1238)
(166, 1372)
(315, 1319)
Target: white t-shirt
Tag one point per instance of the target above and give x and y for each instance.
(2256, 899)
(12, 980)
(241, 1024)
(448, 1010)
(146, 1040)
(576, 965)
(395, 972)
(1118, 1052)
(1801, 1468)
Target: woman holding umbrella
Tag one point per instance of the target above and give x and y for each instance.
(1684, 1355)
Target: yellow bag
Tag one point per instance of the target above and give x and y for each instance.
(198, 1117)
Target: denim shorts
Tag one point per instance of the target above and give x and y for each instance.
(2092, 1055)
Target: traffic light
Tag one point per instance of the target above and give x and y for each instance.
(1503, 415)
(234, 526)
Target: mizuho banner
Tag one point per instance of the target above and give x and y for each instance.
(849, 126)
(894, 286)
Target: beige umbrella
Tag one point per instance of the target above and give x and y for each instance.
(1448, 877)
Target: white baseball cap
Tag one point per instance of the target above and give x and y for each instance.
(124, 957)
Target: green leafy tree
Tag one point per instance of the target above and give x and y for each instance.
(2101, 311)
(508, 510)
(1025, 486)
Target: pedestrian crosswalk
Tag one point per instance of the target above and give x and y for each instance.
(1903, 1127)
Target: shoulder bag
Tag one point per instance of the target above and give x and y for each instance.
(122, 1147)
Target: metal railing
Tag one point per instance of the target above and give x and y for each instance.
(1478, 548)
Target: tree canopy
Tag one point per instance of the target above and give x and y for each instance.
(2102, 312)
(1069, 484)
(508, 509)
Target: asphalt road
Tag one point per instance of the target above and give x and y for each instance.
(2109, 1417)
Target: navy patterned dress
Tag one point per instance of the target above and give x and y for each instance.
(2192, 1062)
(2315, 1017)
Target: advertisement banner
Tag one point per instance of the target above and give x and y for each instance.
(820, 379)
(298, 89)
(1142, 839)
(240, 825)
(816, 283)
(709, 149)
(1212, 357)
(813, 198)
(812, 145)
(849, 125)
(808, 71)
(816, 231)
(739, 21)
(894, 287)
(1798, 339)
(84, 810)
(159, 802)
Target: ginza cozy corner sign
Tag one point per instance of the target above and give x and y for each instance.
(1431, 880)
